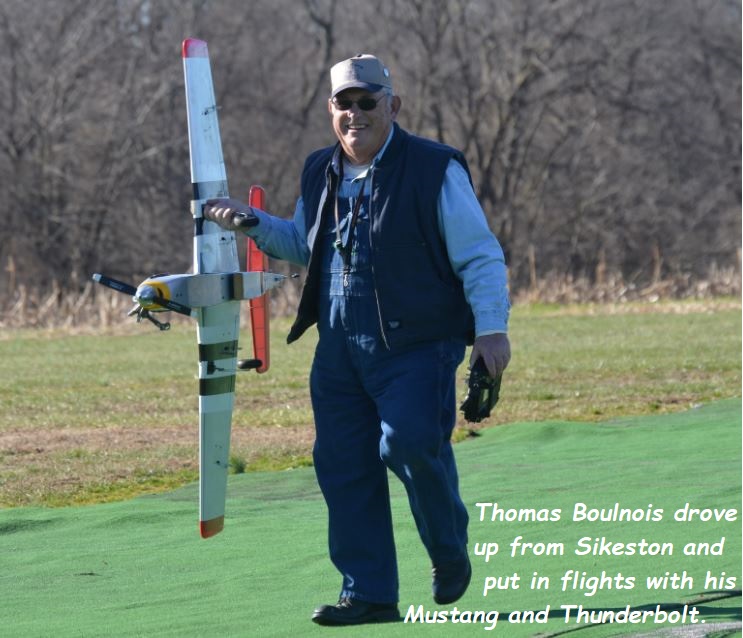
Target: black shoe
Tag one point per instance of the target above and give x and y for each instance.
(450, 580)
(349, 611)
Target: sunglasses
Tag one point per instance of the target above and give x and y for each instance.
(365, 103)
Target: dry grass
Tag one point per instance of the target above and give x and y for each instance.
(115, 417)
(97, 309)
(76, 465)
(615, 290)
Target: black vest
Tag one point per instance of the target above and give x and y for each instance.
(419, 298)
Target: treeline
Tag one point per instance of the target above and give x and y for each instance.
(604, 138)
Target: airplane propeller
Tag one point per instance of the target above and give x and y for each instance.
(144, 296)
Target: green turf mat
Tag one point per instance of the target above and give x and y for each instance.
(139, 568)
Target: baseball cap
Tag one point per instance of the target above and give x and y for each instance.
(363, 71)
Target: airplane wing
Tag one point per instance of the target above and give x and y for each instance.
(214, 250)
(260, 310)
(212, 293)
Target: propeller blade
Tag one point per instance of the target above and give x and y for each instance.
(173, 305)
(120, 286)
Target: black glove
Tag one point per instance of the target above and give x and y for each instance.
(245, 220)
(482, 393)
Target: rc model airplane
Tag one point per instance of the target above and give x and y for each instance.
(212, 294)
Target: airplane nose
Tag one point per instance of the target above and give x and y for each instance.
(145, 296)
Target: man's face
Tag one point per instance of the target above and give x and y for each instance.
(362, 133)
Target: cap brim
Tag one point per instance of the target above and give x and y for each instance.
(372, 88)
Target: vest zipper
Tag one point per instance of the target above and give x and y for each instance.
(371, 261)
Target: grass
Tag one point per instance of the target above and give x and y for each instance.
(139, 568)
(91, 418)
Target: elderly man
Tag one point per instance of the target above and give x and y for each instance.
(403, 273)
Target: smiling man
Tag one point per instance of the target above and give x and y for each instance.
(403, 273)
(362, 112)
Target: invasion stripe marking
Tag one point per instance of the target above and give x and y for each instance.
(220, 350)
(217, 385)
(198, 228)
(202, 191)
(209, 190)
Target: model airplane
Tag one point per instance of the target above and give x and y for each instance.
(212, 293)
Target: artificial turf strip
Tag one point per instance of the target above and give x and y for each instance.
(139, 568)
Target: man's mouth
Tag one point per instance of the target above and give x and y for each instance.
(356, 127)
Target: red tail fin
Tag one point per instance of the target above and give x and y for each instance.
(260, 310)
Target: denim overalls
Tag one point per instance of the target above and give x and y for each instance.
(375, 408)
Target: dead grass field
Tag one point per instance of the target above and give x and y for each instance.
(94, 417)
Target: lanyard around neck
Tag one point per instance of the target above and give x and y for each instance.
(345, 248)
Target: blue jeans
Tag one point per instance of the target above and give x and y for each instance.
(377, 409)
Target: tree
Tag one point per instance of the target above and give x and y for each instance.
(600, 136)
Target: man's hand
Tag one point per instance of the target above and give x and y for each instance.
(494, 350)
(230, 214)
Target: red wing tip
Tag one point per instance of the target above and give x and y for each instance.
(195, 48)
(257, 197)
(211, 527)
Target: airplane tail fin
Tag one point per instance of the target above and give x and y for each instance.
(260, 310)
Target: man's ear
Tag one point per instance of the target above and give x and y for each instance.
(330, 107)
(395, 105)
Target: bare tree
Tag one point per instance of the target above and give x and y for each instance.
(600, 136)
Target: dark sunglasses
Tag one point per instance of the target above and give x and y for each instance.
(365, 103)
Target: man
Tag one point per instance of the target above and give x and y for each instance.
(403, 272)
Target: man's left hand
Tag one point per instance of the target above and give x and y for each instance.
(494, 350)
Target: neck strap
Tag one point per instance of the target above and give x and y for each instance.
(345, 247)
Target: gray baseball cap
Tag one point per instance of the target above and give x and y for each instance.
(363, 71)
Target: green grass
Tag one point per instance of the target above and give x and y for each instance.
(87, 418)
(134, 380)
(138, 568)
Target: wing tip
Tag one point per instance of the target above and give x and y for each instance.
(194, 48)
(211, 527)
